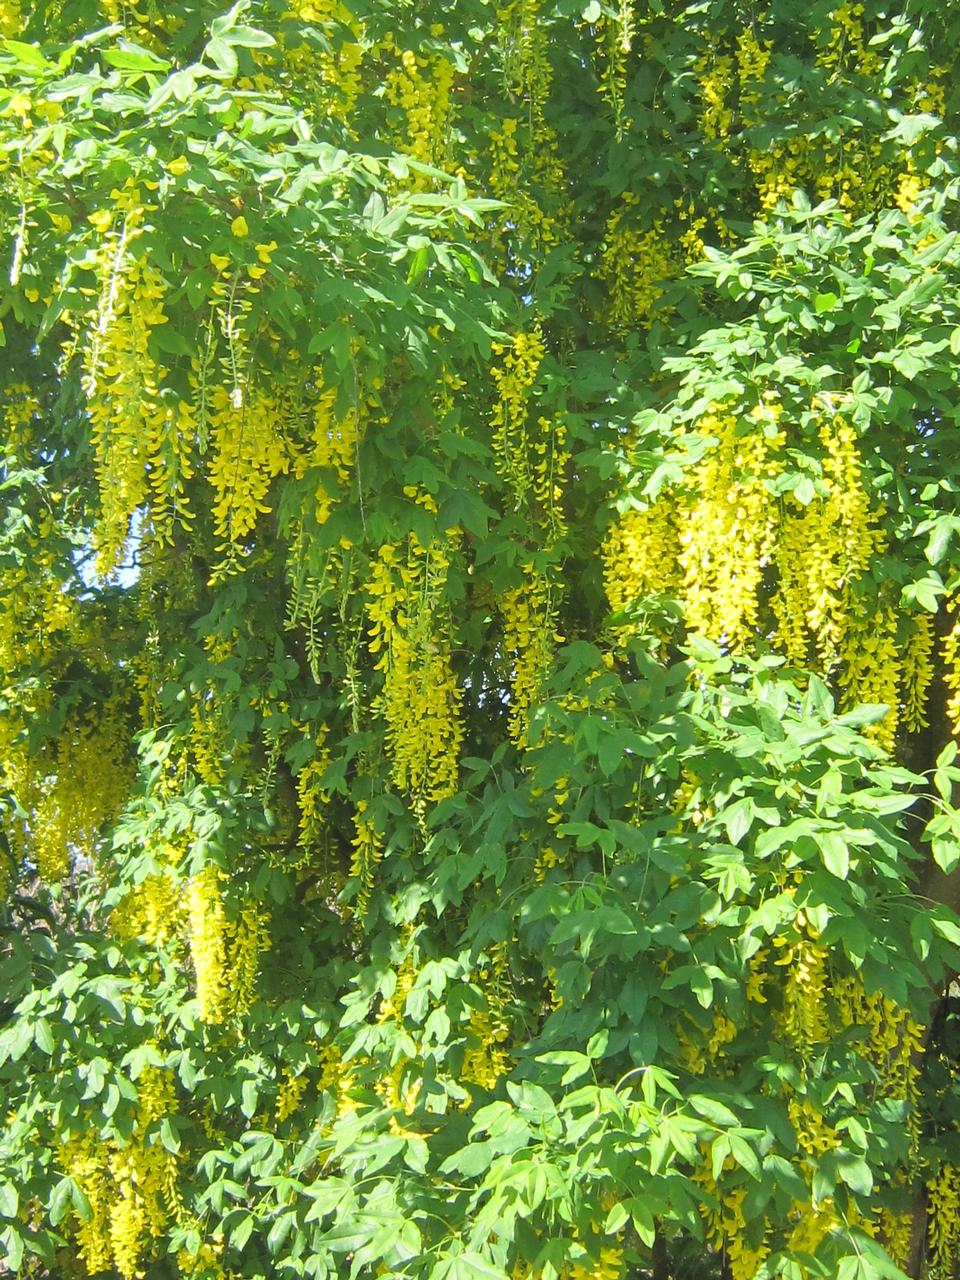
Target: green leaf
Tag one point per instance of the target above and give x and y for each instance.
(850, 1269)
(12, 1252)
(44, 1036)
(855, 1172)
(744, 1154)
(28, 55)
(418, 264)
(856, 1132)
(947, 929)
(597, 1044)
(824, 1179)
(471, 1160)
(941, 533)
(531, 1100)
(9, 1199)
(713, 1110)
(880, 1263)
(617, 1218)
(467, 1266)
(249, 37)
(279, 1232)
(924, 594)
(410, 1240)
(866, 713)
(131, 57)
(60, 1201)
(784, 1173)
(577, 1064)
(81, 1204)
(835, 853)
(249, 1096)
(242, 1232)
(946, 853)
(222, 55)
(610, 754)
(168, 1136)
(738, 819)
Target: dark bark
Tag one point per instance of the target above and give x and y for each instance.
(918, 1236)
(661, 1262)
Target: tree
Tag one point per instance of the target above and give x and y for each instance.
(479, 639)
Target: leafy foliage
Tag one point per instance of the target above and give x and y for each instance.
(479, 644)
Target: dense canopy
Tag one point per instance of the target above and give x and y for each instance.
(479, 641)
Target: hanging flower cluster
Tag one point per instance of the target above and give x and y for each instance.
(131, 1188)
(486, 1056)
(615, 38)
(816, 1006)
(640, 256)
(951, 661)
(716, 79)
(804, 1016)
(366, 854)
(730, 546)
(943, 1190)
(153, 909)
(76, 786)
(724, 545)
(635, 264)
(872, 665)
(722, 1212)
(640, 556)
(225, 950)
(334, 72)
(527, 72)
(421, 87)
(11, 18)
(332, 449)
(526, 168)
(529, 639)
(409, 634)
(312, 796)
(247, 451)
(514, 378)
(122, 382)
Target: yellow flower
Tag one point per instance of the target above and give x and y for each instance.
(207, 935)
(239, 226)
(529, 635)
(179, 166)
(409, 630)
